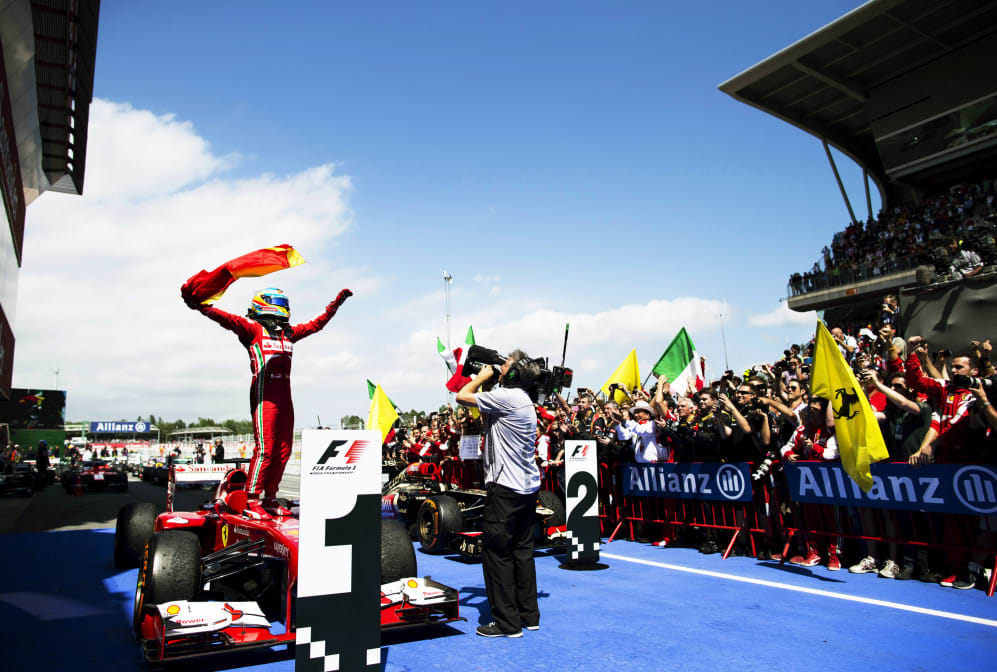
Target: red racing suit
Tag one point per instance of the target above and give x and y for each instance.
(270, 391)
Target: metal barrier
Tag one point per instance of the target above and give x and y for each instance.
(748, 521)
(771, 517)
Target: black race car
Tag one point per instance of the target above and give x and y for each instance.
(446, 518)
(19, 479)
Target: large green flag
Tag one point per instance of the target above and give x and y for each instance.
(680, 364)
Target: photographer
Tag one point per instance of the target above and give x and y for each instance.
(951, 434)
(512, 480)
(813, 440)
(750, 435)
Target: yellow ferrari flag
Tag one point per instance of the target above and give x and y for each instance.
(627, 374)
(855, 426)
(382, 413)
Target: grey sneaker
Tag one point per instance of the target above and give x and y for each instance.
(966, 581)
(889, 570)
(864, 566)
(492, 630)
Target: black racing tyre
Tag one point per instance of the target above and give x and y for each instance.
(550, 500)
(397, 553)
(439, 520)
(133, 528)
(170, 571)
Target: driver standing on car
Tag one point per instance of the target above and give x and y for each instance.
(269, 338)
(511, 480)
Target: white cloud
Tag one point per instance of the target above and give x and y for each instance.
(598, 341)
(99, 289)
(145, 155)
(782, 315)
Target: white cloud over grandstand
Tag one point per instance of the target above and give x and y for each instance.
(99, 292)
(782, 315)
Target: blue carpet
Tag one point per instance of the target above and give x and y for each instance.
(65, 607)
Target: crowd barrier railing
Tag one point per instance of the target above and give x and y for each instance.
(947, 510)
(642, 495)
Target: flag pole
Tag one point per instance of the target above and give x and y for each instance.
(447, 279)
(723, 335)
(564, 351)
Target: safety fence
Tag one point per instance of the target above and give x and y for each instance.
(772, 519)
(937, 516)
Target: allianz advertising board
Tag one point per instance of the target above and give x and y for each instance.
(694, 480)
(944, 488)
(111, 427)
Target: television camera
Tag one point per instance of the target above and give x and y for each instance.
(538, 381)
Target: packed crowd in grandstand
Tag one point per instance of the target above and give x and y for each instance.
(931, 407)
(936, 232)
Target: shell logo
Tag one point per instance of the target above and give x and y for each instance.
(412, 583)
(173, 610)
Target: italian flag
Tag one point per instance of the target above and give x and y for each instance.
(680, 363)
(457, 378)
(450, 358)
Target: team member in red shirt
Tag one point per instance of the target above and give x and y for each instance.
(269, 339)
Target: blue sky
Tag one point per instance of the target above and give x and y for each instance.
(566, 161)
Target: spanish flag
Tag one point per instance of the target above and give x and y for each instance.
(855, 427)
(206, 287)
(382, 413)
(627, 374)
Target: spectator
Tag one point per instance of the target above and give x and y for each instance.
(643, 433)
(814, 440)
(965, 263)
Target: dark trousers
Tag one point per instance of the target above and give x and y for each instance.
(510, 575)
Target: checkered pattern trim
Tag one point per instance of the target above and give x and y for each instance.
(303, 637)
(578, 547)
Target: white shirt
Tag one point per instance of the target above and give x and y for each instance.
(646, 448)
(510, 439)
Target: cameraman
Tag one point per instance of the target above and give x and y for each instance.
(512, 480)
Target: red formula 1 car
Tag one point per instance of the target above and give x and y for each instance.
(224, 577)
(95, 476)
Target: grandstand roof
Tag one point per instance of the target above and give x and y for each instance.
(49, 52)
(199, 432)
(821, 83)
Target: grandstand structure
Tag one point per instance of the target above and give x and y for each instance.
(907, 90)
(47, 54)
(199, 434)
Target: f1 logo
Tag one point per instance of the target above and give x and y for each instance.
(580, 450)
(332, 450)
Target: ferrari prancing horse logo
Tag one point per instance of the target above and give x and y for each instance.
(847, 400)
(224, 535)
